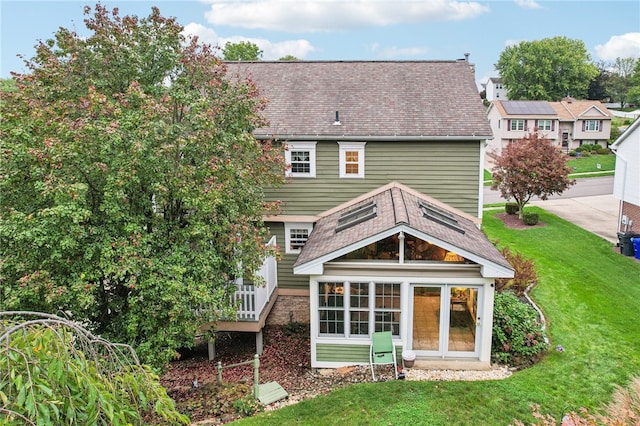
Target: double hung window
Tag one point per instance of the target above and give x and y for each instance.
(351, 159)
(516, 125)
(301, 159)
(545, 125)
(591, 126)
(296, 236)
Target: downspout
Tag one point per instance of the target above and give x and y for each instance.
(483, 147)
(624, 184)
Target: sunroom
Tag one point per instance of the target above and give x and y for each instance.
(400, 261)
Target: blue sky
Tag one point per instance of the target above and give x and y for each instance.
(353, 29)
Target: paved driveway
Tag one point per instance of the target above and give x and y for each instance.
(597, 214)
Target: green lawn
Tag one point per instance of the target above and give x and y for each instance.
(590, 164)
(589, 294)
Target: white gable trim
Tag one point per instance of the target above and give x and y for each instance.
(488, 268)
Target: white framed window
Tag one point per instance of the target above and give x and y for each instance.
(516, 125)
(591, 126)
(296, 236)
(301, 159)
(357, 309)
(351, 159)
(544, 125)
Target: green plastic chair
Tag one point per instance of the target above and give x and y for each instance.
(382, 351)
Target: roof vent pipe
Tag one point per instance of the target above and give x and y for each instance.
(337, 122)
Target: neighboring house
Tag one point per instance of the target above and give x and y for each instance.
(626, 183)
(495, 90)
(379, 228)
(569, 123)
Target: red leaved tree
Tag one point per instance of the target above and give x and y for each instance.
(531, 166)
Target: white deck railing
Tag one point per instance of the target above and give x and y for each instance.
(251, 299)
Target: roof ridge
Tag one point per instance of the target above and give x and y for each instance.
(400, 213)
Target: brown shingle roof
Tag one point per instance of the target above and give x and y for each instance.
(398, 205)
(374, 98)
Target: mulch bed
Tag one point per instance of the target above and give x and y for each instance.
(286, 359)
(512, 221)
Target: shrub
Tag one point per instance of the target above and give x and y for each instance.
(247, 406)
(511, 208)
(572, 153)
(53, 371)
(518, 337)
(603, 151)
(530, 218)
(586, 153)
(596, 147)
(524, 276)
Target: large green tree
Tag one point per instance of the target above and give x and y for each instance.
(599, 85)
(547, 69)
(621, 82)
(132, 187)
(241, 51)
(634, 90)
(531, 166)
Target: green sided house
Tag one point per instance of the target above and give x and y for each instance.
(379, 229)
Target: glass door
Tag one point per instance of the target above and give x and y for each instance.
(445, 320)
(426, 318)
(462, 326)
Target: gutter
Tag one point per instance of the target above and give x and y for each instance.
(361, 138)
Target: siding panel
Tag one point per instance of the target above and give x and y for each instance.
(448, 171)
(348, 353)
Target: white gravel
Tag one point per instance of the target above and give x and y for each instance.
(495, 373)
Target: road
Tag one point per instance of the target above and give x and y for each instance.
(584, 187)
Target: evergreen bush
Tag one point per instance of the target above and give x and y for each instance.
(511, 208)
(530, 218)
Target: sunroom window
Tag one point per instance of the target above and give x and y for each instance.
(369, 307)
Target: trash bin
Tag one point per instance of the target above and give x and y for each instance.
(636, 246)
(626, 246)
(408, 358)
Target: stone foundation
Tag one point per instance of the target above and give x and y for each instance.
(289, 309)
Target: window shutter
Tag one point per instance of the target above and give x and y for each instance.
(601, 124)
(508, 124)
(525, 125)
(553, 125)
(583, 124)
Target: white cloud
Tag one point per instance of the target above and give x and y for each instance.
(528, 4)
(335, 15)
(395, 52)
(205, 35)
(511, 42)
(271, 50)
(620, 46)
